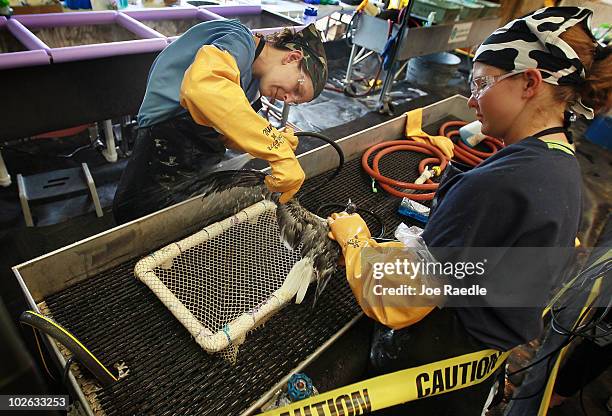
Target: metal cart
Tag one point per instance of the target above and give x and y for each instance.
(370, 36)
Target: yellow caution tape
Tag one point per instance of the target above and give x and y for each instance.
(399, 387)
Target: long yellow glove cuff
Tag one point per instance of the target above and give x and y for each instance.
(372, 9)
(353, 235)
(414, 120)
(211, 92)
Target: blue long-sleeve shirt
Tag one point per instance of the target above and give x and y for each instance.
(161, 101)
(526, 195)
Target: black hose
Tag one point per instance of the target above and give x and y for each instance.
(226, 179)
(333, 144)
(348, 89)
(82, 354)
(67, 370)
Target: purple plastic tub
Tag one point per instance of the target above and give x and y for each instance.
(201, 16)
(19, 48)
(228, 11)
(252, 16)
(89, 35)
(169, 13)
(172, 22)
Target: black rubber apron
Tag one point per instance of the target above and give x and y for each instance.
(166, 158)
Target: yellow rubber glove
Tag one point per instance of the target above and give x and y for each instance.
(352, 234)
(290, 136)
(211, 92)
(414, 120)
(372, 9)
(362, 6)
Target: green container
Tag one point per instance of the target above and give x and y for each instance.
(469, 9)
(446, 11)
(490, 9)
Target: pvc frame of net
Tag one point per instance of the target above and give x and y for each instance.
(226, 279)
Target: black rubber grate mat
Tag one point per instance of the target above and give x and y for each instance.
(354, 184)
(120, 319)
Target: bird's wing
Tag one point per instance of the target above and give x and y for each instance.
(301, 228)
(224, 180)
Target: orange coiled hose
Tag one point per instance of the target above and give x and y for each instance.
(389, 184)
(463, 153)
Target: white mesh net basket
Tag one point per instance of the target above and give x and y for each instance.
(228, 278)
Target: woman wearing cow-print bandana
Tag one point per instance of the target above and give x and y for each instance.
(531, 78)
(540, 72)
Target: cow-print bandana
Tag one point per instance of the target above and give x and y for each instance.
(534, 41)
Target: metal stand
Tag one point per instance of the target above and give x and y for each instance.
(370, 33)
(54, 184)
(281, 114)
(354, 58)
(351, 62)
(126, 129)
(110, 152)
(285, 114)
(5, 178)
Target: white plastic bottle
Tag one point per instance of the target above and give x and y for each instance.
(471, 134)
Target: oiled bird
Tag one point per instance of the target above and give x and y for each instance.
(299, 228)
(227, 191)
(303, 230)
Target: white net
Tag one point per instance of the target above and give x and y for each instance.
(228, 278)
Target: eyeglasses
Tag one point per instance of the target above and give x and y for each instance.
(299, 91)
(480, 85)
